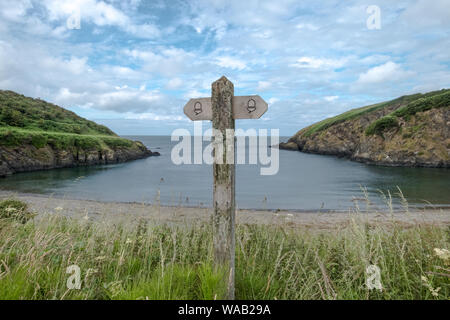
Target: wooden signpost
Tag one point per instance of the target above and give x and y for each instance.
(244, 107)
(223, 108)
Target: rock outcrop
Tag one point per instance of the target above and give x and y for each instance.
(420, 139)
(29, 158)
(290, 145)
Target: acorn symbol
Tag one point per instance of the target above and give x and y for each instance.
(198, 108)
(251, 105)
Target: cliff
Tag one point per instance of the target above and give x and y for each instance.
(412, 130)
(36, 135)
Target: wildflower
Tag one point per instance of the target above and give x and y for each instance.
(114, 288)
(58, 209)
(442, 254)
(426, 282)
(101, 258)
(90, 272)
(128, 241)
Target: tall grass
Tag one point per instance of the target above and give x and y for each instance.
(148, 261)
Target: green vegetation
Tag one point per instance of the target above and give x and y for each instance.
(413, 103)
(145, 260)
(377, 127)
(34, 114)
(15, 210)
(354, 113)
(424, 104)
(429, 101)
(60, 141)
(27, 121)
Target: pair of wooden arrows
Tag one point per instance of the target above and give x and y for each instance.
(244, 107)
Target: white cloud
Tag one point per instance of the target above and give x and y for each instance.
(230, 62)
(316, 63)
(65, 95)
(168, 62)
(331, 98)
(428, 13)
(154, 116)
(99, 13)
(70, 82)
(385, 72)
(273, 100)
(128, 99)
(14, 10)
(174, 83)
(263, 85)
(307, 26)
(194, 94)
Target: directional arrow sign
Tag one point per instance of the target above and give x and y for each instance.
(249, 107)
(199, 109)
(244, 107)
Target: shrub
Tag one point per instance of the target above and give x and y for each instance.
(15, 209)
(13, 118)
(38, 140)
(429, 101)
(9, 138)
(423, 104)
(382, 124)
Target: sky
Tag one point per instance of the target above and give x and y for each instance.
(133, 64)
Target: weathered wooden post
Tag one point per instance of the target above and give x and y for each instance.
(224, 180)
(223, 108)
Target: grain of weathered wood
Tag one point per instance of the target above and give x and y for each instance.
(224, 182)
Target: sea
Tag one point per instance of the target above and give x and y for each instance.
(303, 182)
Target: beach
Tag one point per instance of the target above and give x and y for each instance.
(178, 215)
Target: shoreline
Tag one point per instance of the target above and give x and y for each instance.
(412, 207)
(177, 215)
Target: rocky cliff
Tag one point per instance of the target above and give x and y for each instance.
(408, 131)
(29, 158)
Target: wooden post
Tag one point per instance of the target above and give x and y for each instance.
(224, 181)
(223, 108)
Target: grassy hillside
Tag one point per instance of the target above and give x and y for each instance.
(423, 103)
(25, 121)
(412, 104)
(19, 111)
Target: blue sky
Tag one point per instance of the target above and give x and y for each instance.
(132, 64)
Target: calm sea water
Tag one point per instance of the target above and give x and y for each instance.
(304, 182)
